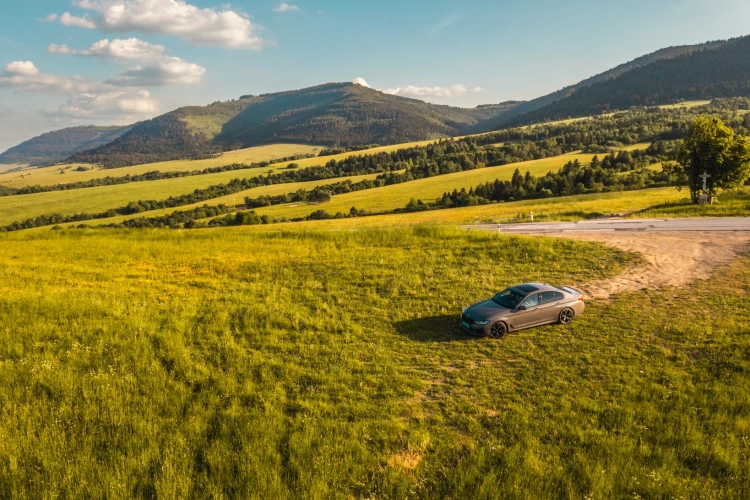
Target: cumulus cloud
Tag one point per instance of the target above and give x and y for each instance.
(167, 71)
(361, 81)
(82, 22)
(85, 97)
(158, 69)
(285, 7)
(200, 26)
(53, 48)
(428, 92)
(21, 69)
(131, 48)
(477, 89)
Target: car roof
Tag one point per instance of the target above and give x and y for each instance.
(536, 287)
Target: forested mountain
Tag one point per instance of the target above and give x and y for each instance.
(60, 144)
(719, 69)
(541, 102)
(339, 114)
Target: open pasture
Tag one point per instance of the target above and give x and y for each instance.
(45, 176)
(398, 195)
(232, 362)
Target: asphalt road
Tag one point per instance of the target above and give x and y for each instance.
(611, 225)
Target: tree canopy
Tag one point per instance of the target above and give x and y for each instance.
(715, 149)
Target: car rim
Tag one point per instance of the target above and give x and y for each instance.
(566, 316)
(497, 330)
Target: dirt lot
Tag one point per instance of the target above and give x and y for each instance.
(673, 258)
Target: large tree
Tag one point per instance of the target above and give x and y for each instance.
(712, 148)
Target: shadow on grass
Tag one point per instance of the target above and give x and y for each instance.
(433, 329)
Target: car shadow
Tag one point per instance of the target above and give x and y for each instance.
(434, 329)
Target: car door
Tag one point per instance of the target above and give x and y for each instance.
(529, 316)
(549, 309)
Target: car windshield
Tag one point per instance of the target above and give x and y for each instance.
(508, 298)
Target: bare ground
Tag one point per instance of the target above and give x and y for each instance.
(672, 258)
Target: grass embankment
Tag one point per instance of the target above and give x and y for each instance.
(46, 176)
(327, 365)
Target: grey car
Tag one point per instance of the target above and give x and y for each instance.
(522, 306)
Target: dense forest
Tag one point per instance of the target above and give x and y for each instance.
(711, 71)
(338, 115)
(56, 146)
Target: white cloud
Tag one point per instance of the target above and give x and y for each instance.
(428, 92)
(85, 97)
(82, 22)
(167, 71)
(448, 21)
(50, 18)
(200, 26)
(285, 7)
(21, 69)
(53, 48)
(477, 89)
(131, 48)
(158, 69)
(361, 81)
(458, 89)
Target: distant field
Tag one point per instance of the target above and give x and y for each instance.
(398, 195)
(51, 175)
(563, 208)
(5, 167)
(238, 198)
(686, 104)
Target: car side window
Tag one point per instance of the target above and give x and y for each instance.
(548, 297)
(531, 300)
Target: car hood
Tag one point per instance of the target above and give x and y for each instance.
(486, 310)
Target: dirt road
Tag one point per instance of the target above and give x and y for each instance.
(676, 251)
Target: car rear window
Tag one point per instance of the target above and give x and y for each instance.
(548, 297)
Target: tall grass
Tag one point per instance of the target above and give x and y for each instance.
(234, 363)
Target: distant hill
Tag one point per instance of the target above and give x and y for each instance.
(547, 100)
(60, 144)
(337, 114)
(717, 69)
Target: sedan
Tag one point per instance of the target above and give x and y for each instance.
(520, 307)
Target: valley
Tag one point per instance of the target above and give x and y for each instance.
(201, 305)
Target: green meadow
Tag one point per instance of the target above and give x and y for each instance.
(302, 364)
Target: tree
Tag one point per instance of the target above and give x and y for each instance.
(713, 148)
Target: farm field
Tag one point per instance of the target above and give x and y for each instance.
(229, 362)
(398, 195)
(46, 176)
(101, 198)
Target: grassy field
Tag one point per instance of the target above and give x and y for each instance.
(398, 195)
(233, 363)
(51, 175)
(100, 199)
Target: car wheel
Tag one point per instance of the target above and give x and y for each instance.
(498, 330)
(566, 316)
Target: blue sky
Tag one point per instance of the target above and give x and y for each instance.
(118, 61)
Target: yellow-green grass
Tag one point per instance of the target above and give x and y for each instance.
(51, 175)
(5, 167)
(100, 199)
(228, 363)
(686, 104)
(642, 203)
(398, 195)
(230, 200)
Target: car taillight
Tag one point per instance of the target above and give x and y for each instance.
(580, 298)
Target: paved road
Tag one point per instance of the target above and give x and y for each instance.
(608, 225)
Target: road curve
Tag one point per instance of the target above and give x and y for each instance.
(709, 224)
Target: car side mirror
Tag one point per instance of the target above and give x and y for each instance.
(522, 308)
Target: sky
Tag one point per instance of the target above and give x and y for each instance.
(113, 62)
